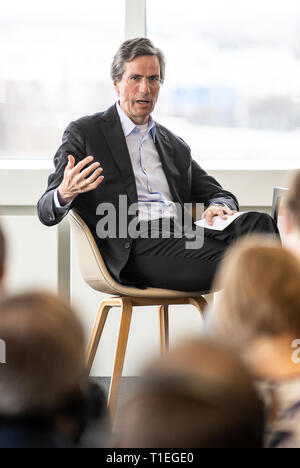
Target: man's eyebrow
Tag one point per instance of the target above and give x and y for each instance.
(141, 76)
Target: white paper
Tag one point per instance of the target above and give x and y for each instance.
(219, 223)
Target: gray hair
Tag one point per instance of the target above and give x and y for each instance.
(131, 49)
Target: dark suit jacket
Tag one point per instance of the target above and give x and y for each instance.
(101, 136)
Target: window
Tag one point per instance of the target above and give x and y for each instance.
(232, 88)
(54, 67)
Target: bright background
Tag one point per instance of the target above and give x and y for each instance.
(232, 87)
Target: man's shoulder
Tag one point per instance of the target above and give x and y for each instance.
(88, 121)
(172, 137)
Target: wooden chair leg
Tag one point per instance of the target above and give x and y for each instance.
(119, 357)
(163, 313)
(97, 333)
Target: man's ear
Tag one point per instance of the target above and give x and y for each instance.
(116, 86)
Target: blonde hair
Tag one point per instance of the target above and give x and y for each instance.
(292, 201)
(44, 346)
(261, 292)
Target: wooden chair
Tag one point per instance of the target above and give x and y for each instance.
(97, 276)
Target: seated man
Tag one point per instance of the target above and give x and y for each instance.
(149, 176)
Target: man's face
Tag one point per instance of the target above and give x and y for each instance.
(139, 88)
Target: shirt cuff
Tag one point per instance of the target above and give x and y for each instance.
(218, 203)
(60, 208)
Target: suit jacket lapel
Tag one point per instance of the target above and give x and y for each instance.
(111, 127)
(165, 152)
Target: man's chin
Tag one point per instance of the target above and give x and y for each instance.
(142, 111)
(141, 114)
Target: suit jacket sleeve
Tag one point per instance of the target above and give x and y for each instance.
(205, 189)
(72, 143)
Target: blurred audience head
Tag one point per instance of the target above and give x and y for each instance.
(292, 215)
(44, 374)
(260, 282)
(197, 396)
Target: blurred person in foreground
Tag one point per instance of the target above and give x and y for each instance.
(197, 396)
(258, 316)
(46, 400)
(291, 210)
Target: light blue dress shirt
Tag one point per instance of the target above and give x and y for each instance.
(153, 191)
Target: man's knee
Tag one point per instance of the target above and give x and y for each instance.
(263, 222)
(259, 216)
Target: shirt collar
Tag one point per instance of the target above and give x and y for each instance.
(128, 126)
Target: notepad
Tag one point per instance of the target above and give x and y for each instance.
(219, 223)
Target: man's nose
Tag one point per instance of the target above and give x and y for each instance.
(144, 85)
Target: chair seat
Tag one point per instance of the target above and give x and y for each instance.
(121, 290)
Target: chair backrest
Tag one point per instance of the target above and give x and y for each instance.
(91, 263)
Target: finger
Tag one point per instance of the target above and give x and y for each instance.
(221, 211)
(93, 185)
(88, 170)
(71, 160)
(222, 214)
(92, 178)
(210, 220)
(71, 163)
(229, 211)
(83, 163)
(215, 211)
(208, 215)
(226, 210)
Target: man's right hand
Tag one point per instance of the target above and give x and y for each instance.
(78, 180)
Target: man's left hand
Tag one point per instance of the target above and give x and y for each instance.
(217, 210)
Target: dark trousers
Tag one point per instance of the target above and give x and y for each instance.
(167, 263)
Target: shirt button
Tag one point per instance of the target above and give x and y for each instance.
(127, 245)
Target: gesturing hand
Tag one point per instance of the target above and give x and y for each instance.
(217, 210)
(79, 180)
